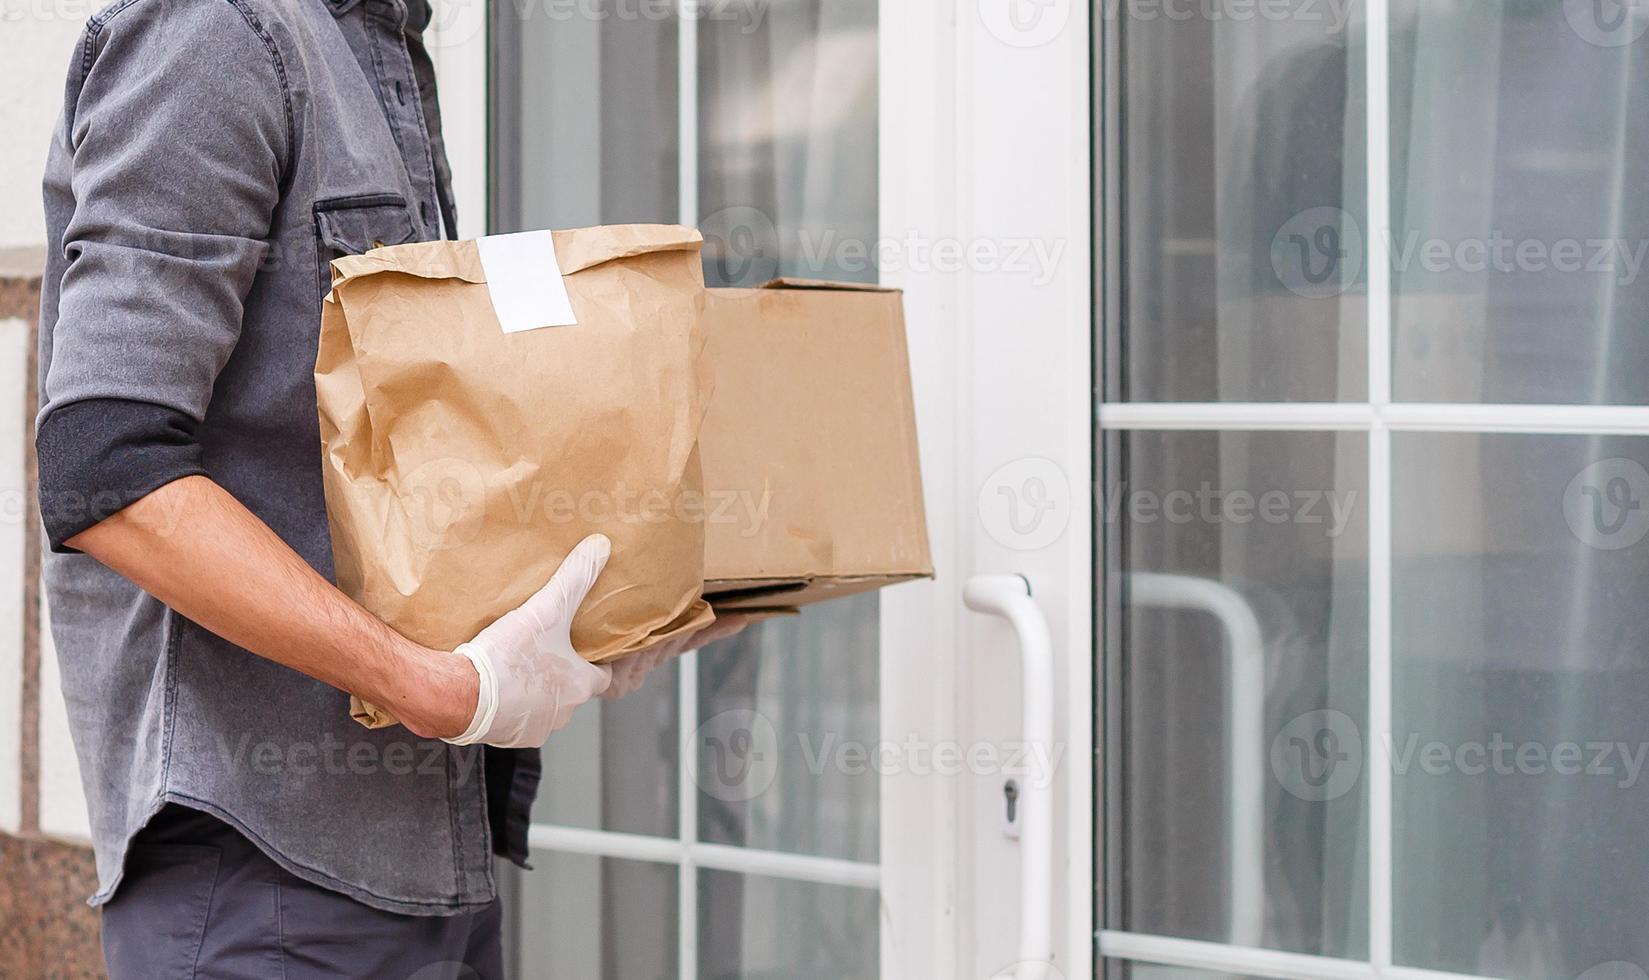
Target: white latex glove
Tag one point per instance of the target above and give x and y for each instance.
(632, 671)
(531, 678)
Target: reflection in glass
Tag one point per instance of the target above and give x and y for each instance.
(1237, 645)
(1240, 178)
(1518, 152)
(596, 919)
(752, 926)
(614, 767)
(583, 116)
(584, 130)
(788, 124)
(788, 186)
(1520, 702)
(796, 689)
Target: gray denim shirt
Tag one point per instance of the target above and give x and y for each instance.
(212, 157)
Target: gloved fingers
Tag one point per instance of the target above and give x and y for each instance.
(631, 672)
(582, 567)
(726, 626)
(598, 678)
(554, 604)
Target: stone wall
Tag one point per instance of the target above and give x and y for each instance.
(46, 929)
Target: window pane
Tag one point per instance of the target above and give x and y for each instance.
(1519, 702)
(614, 766)
(596, 918)
(1240, 175)
(790, 721)
(1237, 645)
(788, 127)
(584, 115)
(585, 132)
(758, 928)
(788, 186)
(1520, 228)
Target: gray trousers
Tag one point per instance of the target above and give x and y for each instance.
(200, 900)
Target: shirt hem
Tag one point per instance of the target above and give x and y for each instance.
(400, 906)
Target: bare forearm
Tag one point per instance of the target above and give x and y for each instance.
(193, 546)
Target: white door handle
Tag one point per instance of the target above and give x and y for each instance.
(1009, 596)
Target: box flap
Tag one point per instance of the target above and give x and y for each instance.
(792, 282)
(741, 595)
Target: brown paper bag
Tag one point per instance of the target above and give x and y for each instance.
(462, 463)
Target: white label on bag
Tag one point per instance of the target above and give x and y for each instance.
(524, 280)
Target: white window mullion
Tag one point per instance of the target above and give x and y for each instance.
(1378, 222)
(1245, 416)
(1379, 696)
(732, 858)
(1248, 961)
(687, 111)
(687, 802)
(687, 807)
(1211, 957)
(1477, 418)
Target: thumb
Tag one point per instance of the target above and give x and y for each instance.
(577, 574)
(602, 680)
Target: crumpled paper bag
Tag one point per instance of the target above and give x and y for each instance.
(462, 464)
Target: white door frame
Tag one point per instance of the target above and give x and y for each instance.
(985, 148)
(985, 223)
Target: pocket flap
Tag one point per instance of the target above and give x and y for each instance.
(359, 224)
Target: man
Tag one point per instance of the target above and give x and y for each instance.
(212, 157)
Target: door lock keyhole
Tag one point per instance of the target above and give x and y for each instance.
(1010, 797)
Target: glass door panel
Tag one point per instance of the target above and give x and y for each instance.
(1518, 691)
(757, 123)
(1238, 163)
(1391, 262)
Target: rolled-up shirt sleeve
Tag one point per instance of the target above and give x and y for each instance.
(173, 146)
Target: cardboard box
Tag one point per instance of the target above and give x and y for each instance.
(812, 480)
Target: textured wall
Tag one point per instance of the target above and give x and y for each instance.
(46, 929)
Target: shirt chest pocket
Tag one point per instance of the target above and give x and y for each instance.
(356, 224)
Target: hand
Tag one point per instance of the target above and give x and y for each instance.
(632, 671)
(531, 679)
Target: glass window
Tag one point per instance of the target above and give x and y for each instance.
(1239, 614)
(1519, 692)
(614, 768)
(573, 896)
(780, 174)
(1451, 687)
(756, 926)
(1239, 173)
(584, 117)
(1518, 232)
(809, 796)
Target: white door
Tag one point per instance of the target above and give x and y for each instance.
(1310, 407)
(1372, 457)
